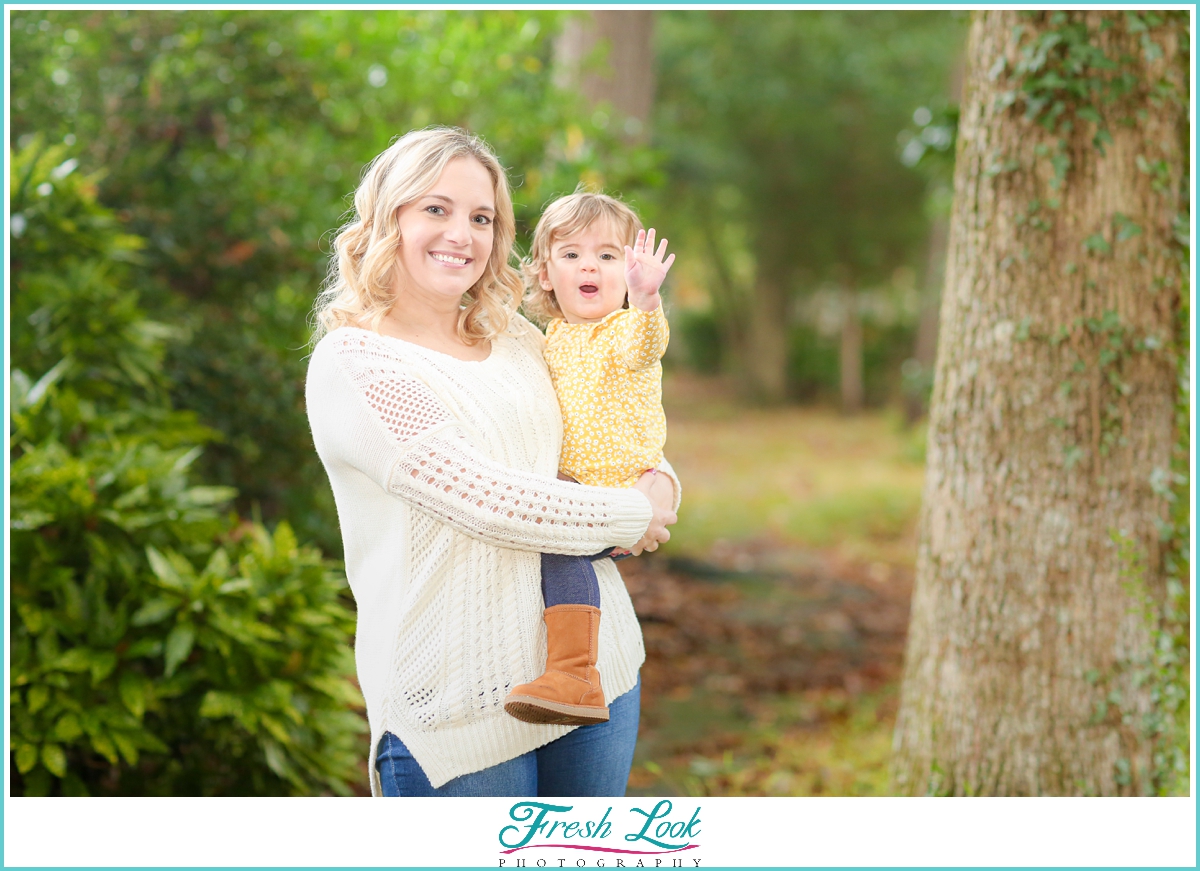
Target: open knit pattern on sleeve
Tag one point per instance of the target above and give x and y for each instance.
(443, 474)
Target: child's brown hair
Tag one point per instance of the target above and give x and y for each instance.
(565, 217)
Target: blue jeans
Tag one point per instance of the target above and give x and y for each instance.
(590, 761)
(571, 580)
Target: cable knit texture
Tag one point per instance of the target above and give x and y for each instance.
(443, 472)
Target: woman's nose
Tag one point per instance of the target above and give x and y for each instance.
(459, 230)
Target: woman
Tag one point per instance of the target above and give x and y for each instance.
(434, 415)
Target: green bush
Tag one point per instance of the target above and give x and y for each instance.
(159, 646)
(699, 337)
(814, 362)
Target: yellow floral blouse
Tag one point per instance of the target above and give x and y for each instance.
(609, 383)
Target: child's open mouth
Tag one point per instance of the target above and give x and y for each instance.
(588, 289)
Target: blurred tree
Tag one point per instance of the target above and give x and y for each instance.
(1037, 639)
(781, 129)
(608, 56)
(230, 140)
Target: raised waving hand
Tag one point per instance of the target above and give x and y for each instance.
(645, 270)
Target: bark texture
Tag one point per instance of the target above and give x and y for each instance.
(626, 77)
(1023, 623)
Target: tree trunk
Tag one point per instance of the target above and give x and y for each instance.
(626, 77)
(851, 360)
(762, 358)
(1052, 409)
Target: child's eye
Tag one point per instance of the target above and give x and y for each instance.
(570, 255)
(607, 256)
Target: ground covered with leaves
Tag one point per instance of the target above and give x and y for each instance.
(768, 672)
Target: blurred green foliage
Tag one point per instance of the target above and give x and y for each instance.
(158, 645)
(231, 141)
(784, 165)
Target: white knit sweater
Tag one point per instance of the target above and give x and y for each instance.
(443, 471)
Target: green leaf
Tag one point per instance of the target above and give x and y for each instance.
(147, 647)
(276, 759)
(154, 611)
(209, 495)
(67, 728)
(75, 659)
(132, 689)
(1128, 230)
(103, 745)
(27, 757)
(150, 742)
(178, 646)
(30, 519)
(39, 694)
(1095, 242)
(218, 704)
(54, 759)
(218, 564)
(127, 747)
(102, 665)
(276, 728)
(163, 570)
(338, 689)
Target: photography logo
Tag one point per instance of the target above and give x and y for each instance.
(644, 839)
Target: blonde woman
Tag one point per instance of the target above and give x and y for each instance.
(434, 415)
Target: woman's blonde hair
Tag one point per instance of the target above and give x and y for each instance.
(359, 287)
(564, 217)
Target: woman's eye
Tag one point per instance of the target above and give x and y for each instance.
(482, 220)
(435, 210)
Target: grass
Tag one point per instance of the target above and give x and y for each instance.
(812, 478)
(822, 742)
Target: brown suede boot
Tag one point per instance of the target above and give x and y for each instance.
(569, 691)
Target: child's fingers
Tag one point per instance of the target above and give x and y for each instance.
(667, 263)
(629, 255)
(649, 241)
(640, 244)
(662, 249)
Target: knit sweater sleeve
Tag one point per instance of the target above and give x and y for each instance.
(384, 420)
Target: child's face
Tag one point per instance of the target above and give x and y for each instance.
(586, 271)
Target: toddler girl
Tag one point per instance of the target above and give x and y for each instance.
(594, 275)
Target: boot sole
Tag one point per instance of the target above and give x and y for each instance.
(530, 709)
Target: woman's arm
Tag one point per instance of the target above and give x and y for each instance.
(389, 425)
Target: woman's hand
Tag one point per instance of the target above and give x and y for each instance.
(660, 490)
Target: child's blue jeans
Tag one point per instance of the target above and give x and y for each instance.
(571, 580)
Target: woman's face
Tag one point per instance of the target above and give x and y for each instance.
(446, 235)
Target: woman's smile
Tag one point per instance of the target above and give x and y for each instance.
(450, 259)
